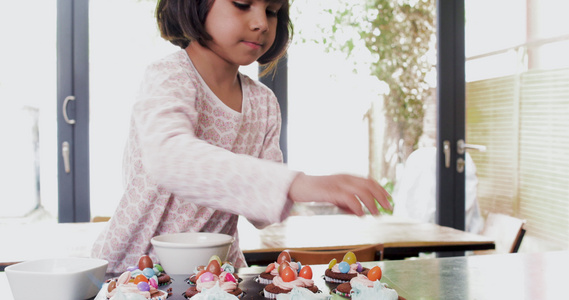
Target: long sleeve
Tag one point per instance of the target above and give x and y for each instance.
(193, 164)
(204, 172)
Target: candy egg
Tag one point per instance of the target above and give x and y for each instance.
(199, 273)
(214, 267)
(206, 277)
(143, 286)
(332, 263)
(228, 267)
(140, 278)
(350, 258)
(112, 285)
(288, 274)
(215, 257)
(230, 278)
(158, 267)
(283, 266)
(360, 268)
(132, 268)
(153, 283)
(284, 256)
(374, 274)
(145, 262)
(124, 278)
(305, 272)
(299, 266)
(344, 267)
(270, 267)
(148, 272)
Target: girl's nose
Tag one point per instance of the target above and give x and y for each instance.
(259, 22)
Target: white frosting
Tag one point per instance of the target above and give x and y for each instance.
(214, 293)
(298, 282)
(379, 291)
(302, 294)
(362, 279)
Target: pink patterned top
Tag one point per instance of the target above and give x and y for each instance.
(192, 164)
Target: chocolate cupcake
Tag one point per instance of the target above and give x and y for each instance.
(344, 271)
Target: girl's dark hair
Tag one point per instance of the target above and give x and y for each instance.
(183, 21)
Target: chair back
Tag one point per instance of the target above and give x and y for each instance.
(364, 253)
(507, 232)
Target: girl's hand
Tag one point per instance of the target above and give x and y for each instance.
(345, 191)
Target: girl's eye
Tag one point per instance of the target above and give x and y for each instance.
(241, 6)
(272, 13)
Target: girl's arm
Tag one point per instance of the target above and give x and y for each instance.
(194, 170)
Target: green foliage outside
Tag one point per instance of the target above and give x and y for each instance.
(399, 34)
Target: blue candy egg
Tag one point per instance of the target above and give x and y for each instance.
(344, 267)
(148, 272)
(299, 266)
(228, 268)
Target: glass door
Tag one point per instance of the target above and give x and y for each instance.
(123, 40)
(517, 100)
(28, 125)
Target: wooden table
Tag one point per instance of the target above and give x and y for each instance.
(400, 237)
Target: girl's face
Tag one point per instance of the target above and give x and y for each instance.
(241, 30)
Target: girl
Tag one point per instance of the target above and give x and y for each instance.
(203, 146)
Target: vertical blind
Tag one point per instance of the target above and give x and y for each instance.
(523, 120)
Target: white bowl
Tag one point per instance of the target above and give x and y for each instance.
(181, 253)
(69, 278)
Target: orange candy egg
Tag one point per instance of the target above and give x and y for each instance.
(283, 266)
(288, 274)
(374, 274)
(305, 272)
(140, 278)
(270, 267)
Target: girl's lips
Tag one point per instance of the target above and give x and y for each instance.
(253, 45)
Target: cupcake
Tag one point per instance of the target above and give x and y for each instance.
(287, 279)
(214, 276)
(122, 286)
(142, 279)
(148, 268)
(344, 271)
(366, 287)
(271, 271)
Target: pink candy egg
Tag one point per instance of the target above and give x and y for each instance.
(206, 277)
(230, 278)
(153, 283)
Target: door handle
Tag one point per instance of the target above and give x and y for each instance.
(446, 152)
(65, 153)
(461, 147)
(65, 117)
